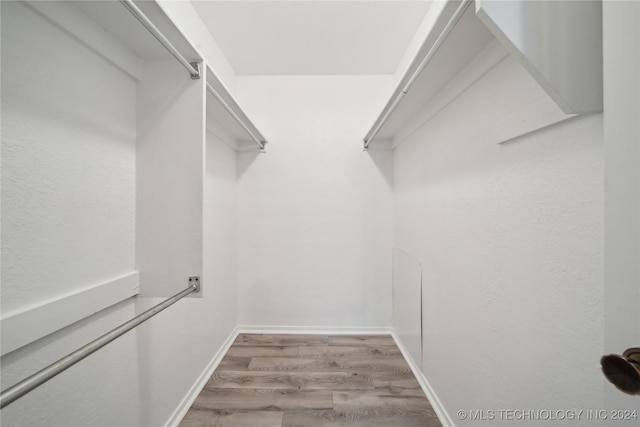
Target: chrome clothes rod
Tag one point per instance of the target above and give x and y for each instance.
(28, 384)
(192, 67)
(258, 139)
(409, 78)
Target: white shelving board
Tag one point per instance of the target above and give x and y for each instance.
(464, 43)
(223, 125)
(116, 20)
(122, 26)
(558, 43)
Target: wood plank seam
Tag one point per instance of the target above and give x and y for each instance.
(310, 380)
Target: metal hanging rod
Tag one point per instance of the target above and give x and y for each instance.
(28, 384)
(192, 67)
(194, 70)
(409, 78)
(258, 139)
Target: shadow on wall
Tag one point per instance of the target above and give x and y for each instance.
(380, 158)
(245, 160)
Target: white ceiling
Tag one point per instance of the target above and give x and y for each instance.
(305, 37)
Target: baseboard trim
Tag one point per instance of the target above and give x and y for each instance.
(197, 387)
(442, 414)
(315, 330)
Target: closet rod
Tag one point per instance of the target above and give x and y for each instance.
(193, 68)
(28, 384)
(258, 139)
(410, 77)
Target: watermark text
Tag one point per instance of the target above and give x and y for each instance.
(547, 415)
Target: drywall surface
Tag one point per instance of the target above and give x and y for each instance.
(68, 206)
(511, 242)
(621, 27)
(176, 346)
(407, 303)
(68, 163)
(101, 390)
(315, 211)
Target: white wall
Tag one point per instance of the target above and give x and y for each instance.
(101, 390)
(407, 303)
(68, 205)
(511, 243)
(176, 347)
(68, 163)
(621, 27)
(315, 212)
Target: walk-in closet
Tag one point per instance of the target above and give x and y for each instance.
(320, 213)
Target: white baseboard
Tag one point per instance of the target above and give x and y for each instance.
(442, 414)
(191, 395)
(315, 330)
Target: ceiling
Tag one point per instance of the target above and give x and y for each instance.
(312, 37)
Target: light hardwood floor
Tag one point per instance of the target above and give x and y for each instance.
(312, 380)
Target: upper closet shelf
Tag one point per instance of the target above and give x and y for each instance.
(558, 43)
(227, 121)
(149, 34)
(455, 39)
(130, 32)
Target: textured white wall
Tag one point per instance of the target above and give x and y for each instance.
(407, 303)
(621, 28)
(511, 242)
(101, 390)
(176, 346)
(68, 204)
(315, 212)
(68, 163)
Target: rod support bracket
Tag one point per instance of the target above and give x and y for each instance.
(194, 282)
(196, 75)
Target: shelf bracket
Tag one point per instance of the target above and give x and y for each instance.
(197, 74)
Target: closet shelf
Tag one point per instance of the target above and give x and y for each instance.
(121, 24)
(224, 116)
(566, 64)
(192, 67)
(227, 120)
(456, 38)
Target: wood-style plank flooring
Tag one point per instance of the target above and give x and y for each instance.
(312, 380)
